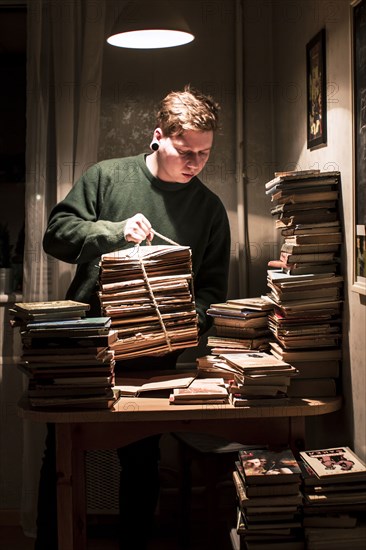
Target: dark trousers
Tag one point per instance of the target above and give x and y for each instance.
(139, 480)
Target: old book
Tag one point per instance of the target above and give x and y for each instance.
(310, 194)
(337, 462)
(239, 322)
(268, 489)
(58, 341)
(307, 257)
(76, 402)
(217, 342)
(268, 466)
(310, 228)
(288, 209)
(272, 500)
(257, 303)
(257, 363)
(277, 276)
(138, 386)
(302, 177)
(316, 238)
(30, 308)
(290, 248)
(306, 268)
(235, 309)
(71, 324)
(305, 217)
(305, 355)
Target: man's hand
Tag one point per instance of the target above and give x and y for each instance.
(137, 229)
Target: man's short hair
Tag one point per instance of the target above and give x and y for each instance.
(187, 110)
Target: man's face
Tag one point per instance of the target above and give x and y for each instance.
(183, 157)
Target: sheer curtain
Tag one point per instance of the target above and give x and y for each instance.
(64, 70)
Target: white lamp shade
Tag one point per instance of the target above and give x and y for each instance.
(147, 25)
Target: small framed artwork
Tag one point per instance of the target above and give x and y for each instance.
(358, 23)
(316, 91)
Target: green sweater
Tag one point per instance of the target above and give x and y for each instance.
(90, 222)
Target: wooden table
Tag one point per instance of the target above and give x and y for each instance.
(273, 422)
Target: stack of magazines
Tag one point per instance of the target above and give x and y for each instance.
(305, 287)
(334, 488)
(240, 324)
(147, 291)
(269, 500)
(257, 375)
(65, 355)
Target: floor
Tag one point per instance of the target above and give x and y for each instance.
(12, 538)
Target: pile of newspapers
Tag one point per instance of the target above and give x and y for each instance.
(147, 291)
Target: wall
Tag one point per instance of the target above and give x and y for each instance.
(302, 19)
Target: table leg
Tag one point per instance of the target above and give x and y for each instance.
(71, 516)
(297, 433)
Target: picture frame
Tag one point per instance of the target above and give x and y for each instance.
(316, 90)
(358, 23)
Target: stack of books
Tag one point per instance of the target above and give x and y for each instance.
(256, 375)
(306, 206)
(334, 488)
(147, 291)
(305, 287)
(269, 499)
(240, 324)
(65, 355)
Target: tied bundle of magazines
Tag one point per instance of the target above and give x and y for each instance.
(147, 291)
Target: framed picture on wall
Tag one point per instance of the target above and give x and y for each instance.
(316, 91)
(358, 22)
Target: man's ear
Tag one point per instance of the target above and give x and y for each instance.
(158, 133)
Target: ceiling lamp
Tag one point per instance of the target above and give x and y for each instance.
(148, 25)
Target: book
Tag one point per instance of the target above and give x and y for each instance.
(287, 209)
(305, 355)
(268, 466)
(267, 489)
(70, 324)
(76, 402)
(138, 386)
(277, 276)
(310, 228)
(305, 217)
(302, 177)
(256, 363)
(273, 500)
(234, 309)
(317, 248)
(315, 238)
(336, 462)
(304, 195)
(257, 303)
(199, 390)
(307, 268)
(30, 308)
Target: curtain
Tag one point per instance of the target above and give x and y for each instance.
(64, 72)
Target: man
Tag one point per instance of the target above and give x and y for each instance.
(118, 203)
